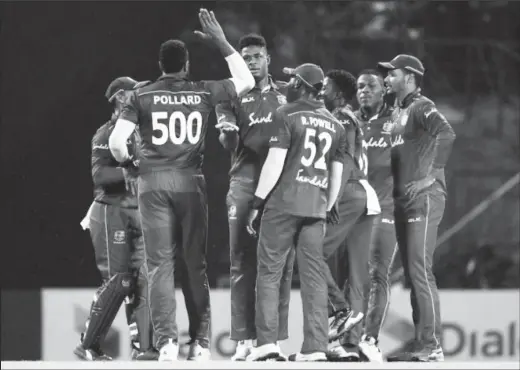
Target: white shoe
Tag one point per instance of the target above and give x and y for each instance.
(264, 353)
(368, 345)
(343, 322)
(308, 357)
(198, 353)
(342, 354)
(169, 352)
(243, 350)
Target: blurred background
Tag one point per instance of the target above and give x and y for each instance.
(57, 58)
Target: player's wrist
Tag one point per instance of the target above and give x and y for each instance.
(257, 202)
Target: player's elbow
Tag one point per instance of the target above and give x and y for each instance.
(244, 83)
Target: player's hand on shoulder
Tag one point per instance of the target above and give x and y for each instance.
(211, 28)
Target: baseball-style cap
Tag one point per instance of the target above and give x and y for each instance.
(309, 73)
(118, 85)
(404, 61)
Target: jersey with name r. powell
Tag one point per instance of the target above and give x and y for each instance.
(313, 139)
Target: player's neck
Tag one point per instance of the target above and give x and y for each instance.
(370, 112)
(403, 94)
(262, 83)
(178, 75)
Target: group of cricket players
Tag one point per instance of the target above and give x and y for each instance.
(311, 180)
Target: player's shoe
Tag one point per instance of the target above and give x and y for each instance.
(198, 353)
(263, 353)
(343, 353)
(368, 347)
(424, 355)
(308, 357)
(342, 322)
(169, 352)
(243, 350)
(149, 355)
(91, 354)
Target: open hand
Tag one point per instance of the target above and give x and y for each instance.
(211, 29)
(414, 187)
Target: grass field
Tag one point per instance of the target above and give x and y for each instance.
(253, 365)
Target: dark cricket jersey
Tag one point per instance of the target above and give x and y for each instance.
(427, 142)
(314, 139)
(253, 114)
(109, 183)
(354, 148)
(379, 141)
(172, 115)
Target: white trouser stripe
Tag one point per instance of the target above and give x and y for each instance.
(387, 282)
(106, 241)
(424, 266)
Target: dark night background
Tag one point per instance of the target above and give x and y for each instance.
(57, 59)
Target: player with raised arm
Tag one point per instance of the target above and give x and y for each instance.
(357, 209)
(246, 125)
(299, 184)
(420, 196)
(172, 115)
(375, 116)
(113, 222)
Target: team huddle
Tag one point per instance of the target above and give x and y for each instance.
(311, 180)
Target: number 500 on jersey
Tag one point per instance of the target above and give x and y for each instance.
(179, 129)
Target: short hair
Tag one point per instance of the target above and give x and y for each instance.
(345, 81)
(373, 72)
(173, 55)
(251, 39)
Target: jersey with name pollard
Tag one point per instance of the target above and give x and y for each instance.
(313, 139)
(253, 114)
(172, 115)
(379, 141)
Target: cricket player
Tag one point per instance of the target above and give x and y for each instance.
(357, 213)
(118, 245)
(299, 184)
(420, 196)
(172, 115)
(375, 116)
(246, 126)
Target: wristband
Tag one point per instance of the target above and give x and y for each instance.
(257, 202)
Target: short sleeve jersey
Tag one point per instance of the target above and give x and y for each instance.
(172, 115)
(314, 139)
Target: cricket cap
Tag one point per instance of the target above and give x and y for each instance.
(309, 73)
(120, 84)
(404, 61)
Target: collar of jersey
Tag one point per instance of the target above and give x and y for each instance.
(270, 85)
(410, 98)
(172, 77)
(383, 112)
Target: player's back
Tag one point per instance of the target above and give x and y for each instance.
(173, 119)
(314, 138)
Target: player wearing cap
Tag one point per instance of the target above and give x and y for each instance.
(375, 116)
(245, 126)
(172, 115)
(420, 194)
(354, 222)
(299, 183)
(118, 244)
